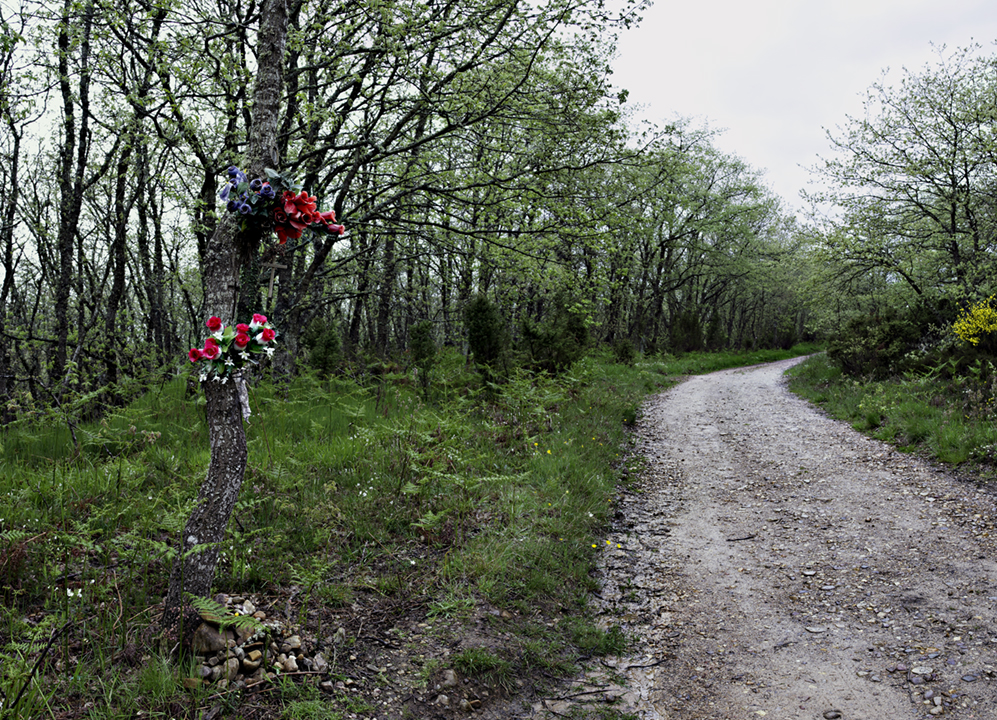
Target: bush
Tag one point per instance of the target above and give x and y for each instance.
(486, 332)
(624, 352)
(324, 347)
(687, 332)
(556, 343)
(423, 350)
(874, 345)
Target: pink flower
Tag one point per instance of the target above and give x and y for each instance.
(194, 355)
(242, 328)
(258, 320)
(241, 340)
(214, 324)
(265, 336)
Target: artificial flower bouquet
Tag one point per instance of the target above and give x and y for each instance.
(276, 203)
(229, 348)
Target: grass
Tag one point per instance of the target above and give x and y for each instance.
(359, 493)
(950, 419)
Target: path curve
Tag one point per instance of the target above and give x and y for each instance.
(775, 563)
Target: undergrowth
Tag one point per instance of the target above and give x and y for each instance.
(450, 496)
(946, 415)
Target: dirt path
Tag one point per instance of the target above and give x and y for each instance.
(778, 564)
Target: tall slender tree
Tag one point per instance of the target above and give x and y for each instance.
(227, 251)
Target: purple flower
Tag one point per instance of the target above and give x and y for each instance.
(255, 184)
(233, 205)
(245, 208)
(225, 191)
(267, 191)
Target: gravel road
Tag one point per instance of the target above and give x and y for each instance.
(775, 563)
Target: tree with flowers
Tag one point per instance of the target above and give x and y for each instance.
(265, 206)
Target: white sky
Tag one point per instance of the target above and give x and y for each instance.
(776, 73)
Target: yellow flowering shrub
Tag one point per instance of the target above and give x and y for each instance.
(976, 322)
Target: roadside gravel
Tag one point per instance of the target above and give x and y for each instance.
(775, 563)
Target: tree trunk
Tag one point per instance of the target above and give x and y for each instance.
(70, 172)
(227, 249)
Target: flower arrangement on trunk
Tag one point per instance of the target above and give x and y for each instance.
(229, 348)
(276, 203)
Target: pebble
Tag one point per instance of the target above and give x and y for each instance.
(970, 678)
(921, 670)
(832, 715)
(449, 678)
(816, 629)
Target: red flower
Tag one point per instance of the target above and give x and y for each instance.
(214, 324)
(329, 220)
(259, 319)
(242, 328)
(241, 340)
(265, 336)
(194, 355)
(211, 350)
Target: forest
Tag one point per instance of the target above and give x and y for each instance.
(477, 222)
(482, 153)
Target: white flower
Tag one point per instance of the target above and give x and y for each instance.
(244, 355)
(204, 376)
(229, 361)
(269, 352)
(74, 593)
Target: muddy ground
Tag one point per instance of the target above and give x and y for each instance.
(775, 563)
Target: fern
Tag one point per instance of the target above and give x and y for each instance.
(219, 614)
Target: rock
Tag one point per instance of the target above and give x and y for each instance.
(207, 640)
(248, 608)
(230, 669)
(921, 670)
(291, 643)
(244, 632)
(320, 663)
(970, 678)
(816, 629)
(443, 700)
(290, 665)
(832, 715)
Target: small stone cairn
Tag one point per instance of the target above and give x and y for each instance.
(241, 655)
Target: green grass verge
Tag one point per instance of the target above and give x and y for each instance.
(947, 419)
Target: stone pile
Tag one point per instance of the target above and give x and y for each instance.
(245, 654)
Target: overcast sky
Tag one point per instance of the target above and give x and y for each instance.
(776, 73)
